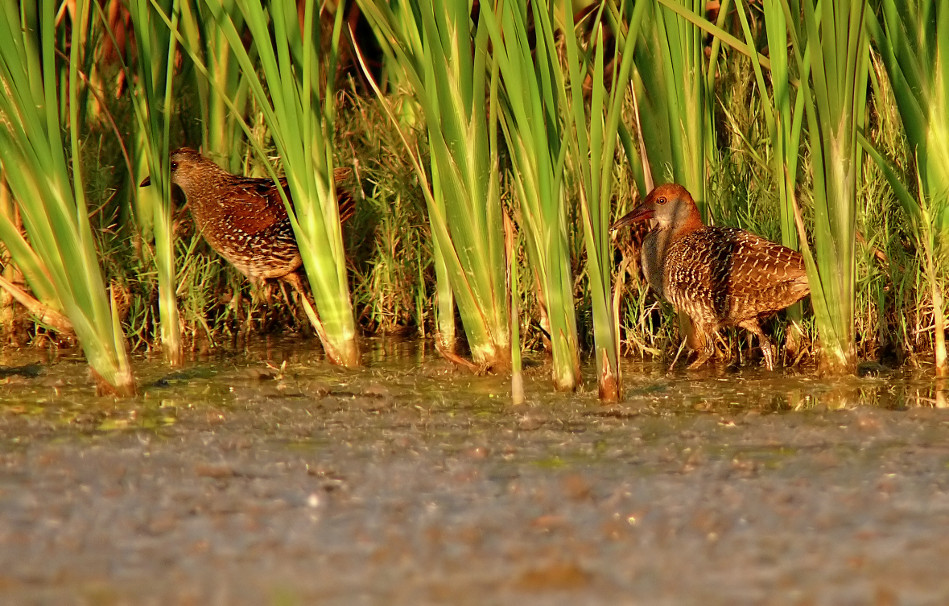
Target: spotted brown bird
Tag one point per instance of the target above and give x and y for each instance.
(718, 276)
(244, 219)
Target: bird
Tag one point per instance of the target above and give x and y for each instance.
(717, 276)
(244, 218)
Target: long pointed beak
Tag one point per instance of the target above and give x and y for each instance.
(145, 182)
(637, 215)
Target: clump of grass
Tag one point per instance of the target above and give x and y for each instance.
(151, 94)
(388, 240)
(532, 107)
(441, 55)
(912, 44)
(831, 48)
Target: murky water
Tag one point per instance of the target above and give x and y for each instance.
(269, 477)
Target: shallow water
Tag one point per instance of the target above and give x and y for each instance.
(269, 477)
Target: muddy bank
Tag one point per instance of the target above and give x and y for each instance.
(241, 480)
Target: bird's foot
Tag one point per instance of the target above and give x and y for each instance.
(768, 351)
(700, 361)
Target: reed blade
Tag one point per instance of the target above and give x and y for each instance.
(442, 56)
(48, 185)
(912, 42)
(532, 84)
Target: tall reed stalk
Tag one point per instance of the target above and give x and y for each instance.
(443, 58)
(222, 90)
(673, 88)
(913, 43)
(592, 134)
(394, 32)
(782, 104)
(294, 89)
(47, 185)
(829, 41)
(533, 107)
(152, 99)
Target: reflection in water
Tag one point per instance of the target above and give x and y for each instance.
(382, 350)
(295, 368)
(941, 400)
(898, 391)
(397, 350)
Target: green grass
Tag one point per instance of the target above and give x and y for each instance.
(532, 106)
(830, 43)
(914, 49)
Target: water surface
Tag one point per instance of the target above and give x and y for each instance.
(268, 477)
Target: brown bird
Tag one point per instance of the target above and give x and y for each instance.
(244, 218)
(718, 276)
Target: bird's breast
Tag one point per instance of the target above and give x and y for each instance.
(652, 257)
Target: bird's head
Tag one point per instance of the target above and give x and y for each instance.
(668, 206)
(187, 168)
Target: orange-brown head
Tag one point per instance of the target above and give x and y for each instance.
(189, 169)
(667, 207)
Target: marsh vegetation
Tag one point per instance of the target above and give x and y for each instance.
(491, 146)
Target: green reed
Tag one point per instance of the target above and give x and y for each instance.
(532, 109)
(830, 42)
(914, 47)
(674, 95)
(444, 61)
(592, 135)
(151, 93)
(48, 186)
(222, 90)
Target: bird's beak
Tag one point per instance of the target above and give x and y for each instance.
(637, 215)
(145, 182)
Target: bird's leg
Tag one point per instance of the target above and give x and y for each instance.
(287, 298)
(767, 349)
(682, 345)
(707, 349)
(260, 291)
(265, 291)
(293, 278)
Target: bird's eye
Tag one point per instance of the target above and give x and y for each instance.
(174, 165)
(661, 200)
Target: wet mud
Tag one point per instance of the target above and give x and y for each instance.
(269, 477)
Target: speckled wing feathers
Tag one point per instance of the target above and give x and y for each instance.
(255, 205)
(725, 276)
(243, 218)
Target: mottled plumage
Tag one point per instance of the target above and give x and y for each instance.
(718, 276)
(243, 218)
